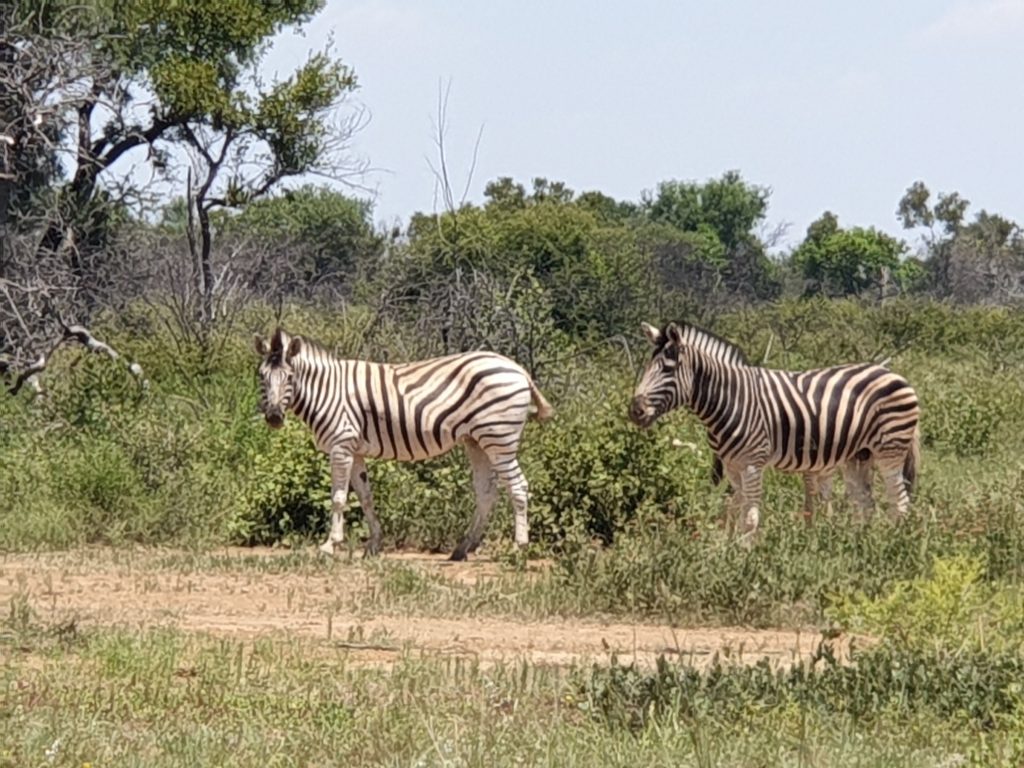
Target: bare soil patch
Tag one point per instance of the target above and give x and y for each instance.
(133, 590)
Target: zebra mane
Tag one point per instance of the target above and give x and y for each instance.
(310, 347)
(707, 342)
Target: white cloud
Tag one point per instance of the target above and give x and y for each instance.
(977, 22)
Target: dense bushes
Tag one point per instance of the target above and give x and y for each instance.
(981, 689)
(188, 460)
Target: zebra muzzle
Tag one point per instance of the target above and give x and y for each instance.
(275, 419)
(641, 412)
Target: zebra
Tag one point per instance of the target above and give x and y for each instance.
(409, 412)
(809, 422)
(856, 473)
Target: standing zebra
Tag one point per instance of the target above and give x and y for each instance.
(409, 412)
(856, 473)
(809, 422)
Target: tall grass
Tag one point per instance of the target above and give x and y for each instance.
(156, 698)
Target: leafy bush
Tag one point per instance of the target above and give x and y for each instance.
(969, 410)
(591, 472)
(951, 610)
(288, 493)
(981, 688)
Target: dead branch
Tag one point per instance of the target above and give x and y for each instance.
(71, 334)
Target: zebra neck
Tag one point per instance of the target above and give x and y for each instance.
(314, 379)
(716, 392)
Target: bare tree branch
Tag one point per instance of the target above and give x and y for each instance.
(71, 333)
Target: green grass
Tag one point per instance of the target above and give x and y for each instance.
(159, 698)
(625, 521)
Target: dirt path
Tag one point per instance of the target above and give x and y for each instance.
(138, 590)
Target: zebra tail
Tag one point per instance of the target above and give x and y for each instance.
(544, 410)
(912, 462)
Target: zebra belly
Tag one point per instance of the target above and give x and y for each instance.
(411, 445)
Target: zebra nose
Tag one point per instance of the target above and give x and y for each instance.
(275, 418)
(638, 409)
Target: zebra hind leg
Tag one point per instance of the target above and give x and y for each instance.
(361, 486)
(895, 488)
(486, 494)
(512, 478)
(813, 487)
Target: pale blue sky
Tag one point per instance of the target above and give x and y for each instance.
(834, 106)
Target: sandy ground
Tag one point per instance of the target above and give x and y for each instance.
(135, 590)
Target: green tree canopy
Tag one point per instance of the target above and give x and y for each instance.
(729, 207)
(333, 233)
(843, 262)
(154, 75)
(725, 213)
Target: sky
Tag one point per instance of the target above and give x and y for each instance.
(834, 106)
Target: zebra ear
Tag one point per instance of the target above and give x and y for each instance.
(294, 347)
(653, 334)
(675, 334)
(260, 344)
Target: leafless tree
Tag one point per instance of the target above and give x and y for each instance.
(33, 326)
(225, 171)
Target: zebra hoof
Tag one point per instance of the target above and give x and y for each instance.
(327, 548)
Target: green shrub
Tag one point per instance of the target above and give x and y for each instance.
(951, 610)
(288, 489)
(968, 410)
(983, 689)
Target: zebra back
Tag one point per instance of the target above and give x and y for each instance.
(413, 410)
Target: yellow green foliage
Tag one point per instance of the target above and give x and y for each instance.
(953, 608)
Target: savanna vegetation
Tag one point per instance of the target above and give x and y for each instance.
(129, 418)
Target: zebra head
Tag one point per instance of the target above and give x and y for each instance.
(664, 380)
(277, 377)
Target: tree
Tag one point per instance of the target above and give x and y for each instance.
(328, 236)
(144, 74)
(847, 262)
(914, 211)
(980, 261)
(726, 210)
(29, 160)
(729, 207)
(107, 85)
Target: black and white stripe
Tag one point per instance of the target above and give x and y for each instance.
(408, 412)
(809, 422)
(857, 473)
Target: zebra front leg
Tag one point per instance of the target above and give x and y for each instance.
(361, 485)
(486, 494)
(750, 513)
(857, 479)
(341, 470)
